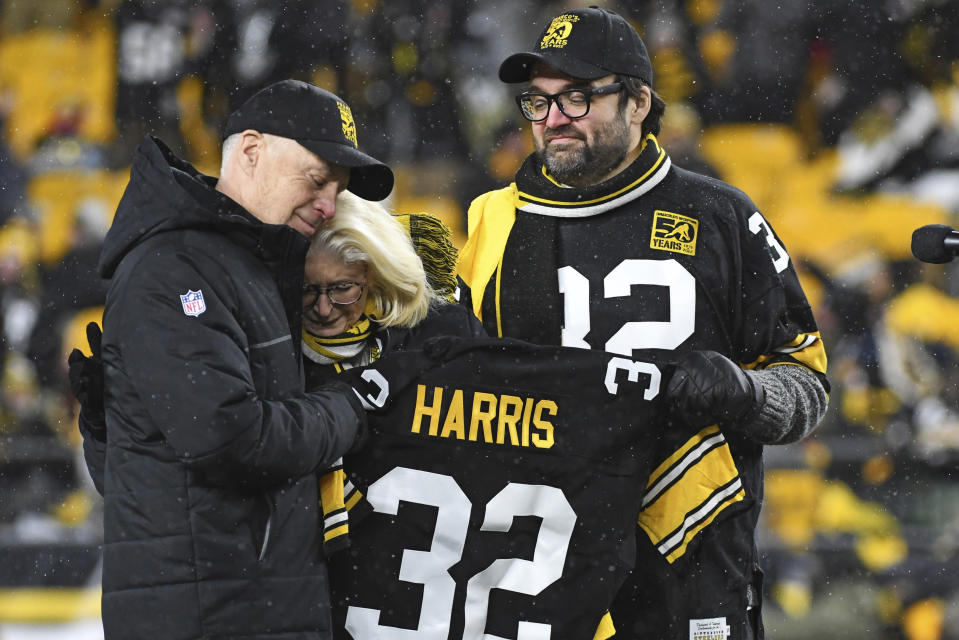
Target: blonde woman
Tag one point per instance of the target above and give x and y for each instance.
(366, 290)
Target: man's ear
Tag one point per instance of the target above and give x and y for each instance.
(250, 149)
(639, 106)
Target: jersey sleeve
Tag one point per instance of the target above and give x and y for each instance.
(778, 326)
(694, 485)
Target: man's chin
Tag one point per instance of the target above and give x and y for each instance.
(301, 226)
(564, 171)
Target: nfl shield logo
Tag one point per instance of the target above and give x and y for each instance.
(193, 304)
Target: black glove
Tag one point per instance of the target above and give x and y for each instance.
(707, 388)
(86, 382)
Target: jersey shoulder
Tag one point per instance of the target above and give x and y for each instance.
(713, 190)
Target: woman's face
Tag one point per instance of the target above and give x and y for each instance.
(344, 282)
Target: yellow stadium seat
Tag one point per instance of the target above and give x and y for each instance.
(49, 72)
(816, 224)
(926, 313)
(753, 157)
(56, 194)
(791, 499)
(18, 240)
(75, 331)
(924, 620)
(890, 220)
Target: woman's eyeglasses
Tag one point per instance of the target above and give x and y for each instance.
(341, 293)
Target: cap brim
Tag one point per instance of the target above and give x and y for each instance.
(519, 66)
(370, 179)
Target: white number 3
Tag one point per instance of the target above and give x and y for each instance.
(757, 224)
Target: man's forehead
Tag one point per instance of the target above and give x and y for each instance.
(312, 162)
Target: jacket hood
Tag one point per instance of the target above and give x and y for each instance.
(166, 193)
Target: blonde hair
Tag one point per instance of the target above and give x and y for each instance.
(364, 231)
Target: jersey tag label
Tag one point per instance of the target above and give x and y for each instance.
(674, 232)
(193, 304)
(709, 629)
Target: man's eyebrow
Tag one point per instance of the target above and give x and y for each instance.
(572, 84)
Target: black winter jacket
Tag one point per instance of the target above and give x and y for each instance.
(211, 518)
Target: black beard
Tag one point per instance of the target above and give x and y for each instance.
(588, 165)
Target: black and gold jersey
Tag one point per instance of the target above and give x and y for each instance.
(501, 491)
(655, 258)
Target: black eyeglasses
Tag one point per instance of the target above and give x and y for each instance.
(573, 103)
(341, 293)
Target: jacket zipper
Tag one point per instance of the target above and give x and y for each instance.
(266, 529)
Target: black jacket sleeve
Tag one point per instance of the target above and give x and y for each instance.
(190, 379)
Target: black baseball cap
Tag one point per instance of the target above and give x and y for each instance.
(320, 122)
(587, 44)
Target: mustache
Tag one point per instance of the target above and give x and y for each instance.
(563, 132)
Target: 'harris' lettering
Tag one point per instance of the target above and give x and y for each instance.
(484, 417)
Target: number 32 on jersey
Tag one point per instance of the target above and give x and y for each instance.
(431, 568)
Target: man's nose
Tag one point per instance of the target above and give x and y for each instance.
(556, 118)
(324, 202)
(325, 206)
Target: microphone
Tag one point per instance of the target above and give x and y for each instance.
(935, 243)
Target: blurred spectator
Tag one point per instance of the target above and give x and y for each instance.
(72, 285)
(38, 467)
(403, 57)
(886, 52)
(681, 129)
(277, 39)
(19, 284)
(159, 43)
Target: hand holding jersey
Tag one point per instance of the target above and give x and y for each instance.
(707, 388)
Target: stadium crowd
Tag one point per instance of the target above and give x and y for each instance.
(840, 120)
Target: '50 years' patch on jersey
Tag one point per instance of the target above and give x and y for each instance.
(674, 232)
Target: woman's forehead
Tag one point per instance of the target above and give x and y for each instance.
(323, 267)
